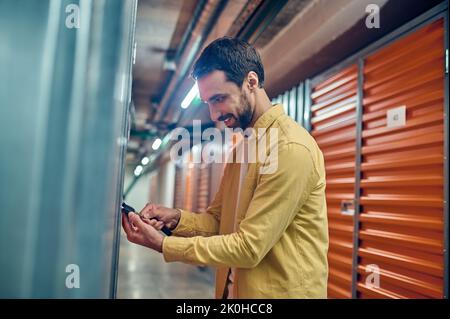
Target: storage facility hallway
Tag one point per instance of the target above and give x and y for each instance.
(142, 274)
(224, 149)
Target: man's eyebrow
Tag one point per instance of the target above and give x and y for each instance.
(215, 96)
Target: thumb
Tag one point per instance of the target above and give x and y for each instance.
(148, 211)
(135, 219)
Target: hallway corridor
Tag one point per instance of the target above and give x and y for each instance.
(144, 274)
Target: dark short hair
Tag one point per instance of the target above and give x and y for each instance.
(235, 57)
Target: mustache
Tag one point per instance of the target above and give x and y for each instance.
(224, 117)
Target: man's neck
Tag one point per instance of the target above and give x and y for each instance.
(262, 105)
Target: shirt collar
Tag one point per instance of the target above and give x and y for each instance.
(269, 116)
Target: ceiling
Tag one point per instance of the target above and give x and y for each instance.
(296, 39)
(167, 33)
(160, 25)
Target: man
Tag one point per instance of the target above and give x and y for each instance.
(266, 233)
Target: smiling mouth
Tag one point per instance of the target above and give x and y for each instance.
(228, 120)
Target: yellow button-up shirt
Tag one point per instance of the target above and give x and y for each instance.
(280, 247)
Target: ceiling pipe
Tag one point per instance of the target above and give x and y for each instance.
(184, 42)
(188, 33)
(194, 50)
(260, 20)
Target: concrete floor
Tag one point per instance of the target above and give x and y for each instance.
(143, 273)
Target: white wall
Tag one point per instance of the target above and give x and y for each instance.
(157, 187)
(140, 193)
(166, 184)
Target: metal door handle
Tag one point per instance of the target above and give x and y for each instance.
(348, 207)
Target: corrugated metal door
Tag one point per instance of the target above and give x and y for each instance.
(179, 191)
(293, 103)
(401, 221)
(203, 187)
(285, 102)
(189, 191)
(300, 105)
(333, 121)
(154, 188)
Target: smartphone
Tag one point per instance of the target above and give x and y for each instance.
(127, 209)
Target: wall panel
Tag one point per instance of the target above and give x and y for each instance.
(333, 121)
(401, 221)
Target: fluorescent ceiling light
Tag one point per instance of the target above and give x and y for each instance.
(190, 97)
(156, 144)
(145, 160)
(138, 170)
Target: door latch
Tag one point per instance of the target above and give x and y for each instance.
(348, 207)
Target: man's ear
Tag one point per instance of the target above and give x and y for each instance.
(253, 81)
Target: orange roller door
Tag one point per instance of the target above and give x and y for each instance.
(203, 187)
(190, 185)
(401, 213)
(179, 190)
(333, 125)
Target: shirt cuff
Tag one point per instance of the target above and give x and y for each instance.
(184, 226)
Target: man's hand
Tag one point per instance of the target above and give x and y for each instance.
(139, 232)
(163, 216)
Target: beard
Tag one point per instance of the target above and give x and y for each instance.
(245, 114)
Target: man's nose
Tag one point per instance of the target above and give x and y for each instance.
(214, 114)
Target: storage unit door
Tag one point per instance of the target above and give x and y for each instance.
(401, 221)
(203, 187)
(334, 128)
(188, 202)
(179, 191)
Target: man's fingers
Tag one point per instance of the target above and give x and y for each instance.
(148, 211)
(136, 220)
(154, 223)
(131, 234)
(159, 225)
(151, 222)
(139, 223)
(126, 225)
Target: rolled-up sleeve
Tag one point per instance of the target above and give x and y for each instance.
(276, 200)
(205, 224)
(195, 224)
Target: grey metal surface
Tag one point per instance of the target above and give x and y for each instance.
(63, 95)
(125, 68)
(300, 104)
(307, 105)
(293, 107)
